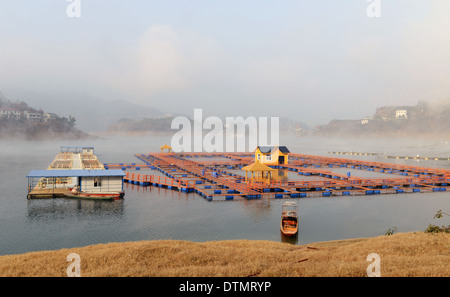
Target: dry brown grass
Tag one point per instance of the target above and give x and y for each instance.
(402, 255)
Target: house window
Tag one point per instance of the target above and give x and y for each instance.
(269, 158)
(401, 114)
(259, 157)
(97, 182)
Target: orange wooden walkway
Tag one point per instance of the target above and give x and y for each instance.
(193, 172)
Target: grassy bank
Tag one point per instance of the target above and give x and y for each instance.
(403, 255)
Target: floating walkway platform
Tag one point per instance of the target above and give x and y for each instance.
(419, 158)
(218, 176)
(353, 153)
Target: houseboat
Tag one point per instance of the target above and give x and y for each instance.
(76, 173)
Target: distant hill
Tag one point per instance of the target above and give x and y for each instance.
(114, 116)
(93, 114)
(145, 125)
(18, 120)
(423, 119)
(162, 125)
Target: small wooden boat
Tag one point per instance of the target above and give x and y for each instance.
(289, 218)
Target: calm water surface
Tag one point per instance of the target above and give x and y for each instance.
(154, 213)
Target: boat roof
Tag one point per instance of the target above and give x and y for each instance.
(75, 173)
(75, 149)
(290, 203)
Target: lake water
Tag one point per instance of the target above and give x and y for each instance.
(154, 213)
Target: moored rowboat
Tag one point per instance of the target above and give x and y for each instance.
(289, 219)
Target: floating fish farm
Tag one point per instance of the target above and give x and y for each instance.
(220, 176)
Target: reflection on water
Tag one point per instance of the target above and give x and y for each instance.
(280, 175)
(258, 210)
(55, 210)
(289, 239)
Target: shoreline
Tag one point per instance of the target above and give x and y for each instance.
(415, 254)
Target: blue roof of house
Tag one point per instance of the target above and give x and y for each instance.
(75, 173)
(268, 149)
(284, 149)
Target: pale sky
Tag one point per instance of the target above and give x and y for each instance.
(311, 61)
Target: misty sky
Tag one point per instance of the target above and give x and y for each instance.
(308, 60)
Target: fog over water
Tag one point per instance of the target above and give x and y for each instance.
(304, 61)
(153, 213)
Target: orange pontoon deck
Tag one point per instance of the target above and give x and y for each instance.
(218, 176)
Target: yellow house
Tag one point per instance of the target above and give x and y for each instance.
(272, 155)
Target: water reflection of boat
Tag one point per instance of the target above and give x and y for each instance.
(289, 239)
(58, 210)
(289, 218)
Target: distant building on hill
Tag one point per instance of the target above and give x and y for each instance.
(33, 116)
(401, 114)
(10, 113)
(389, 113)
(49, 116)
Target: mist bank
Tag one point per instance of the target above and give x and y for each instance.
(422, 120)
(41, 131)
(163, 126)
(120, 117)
